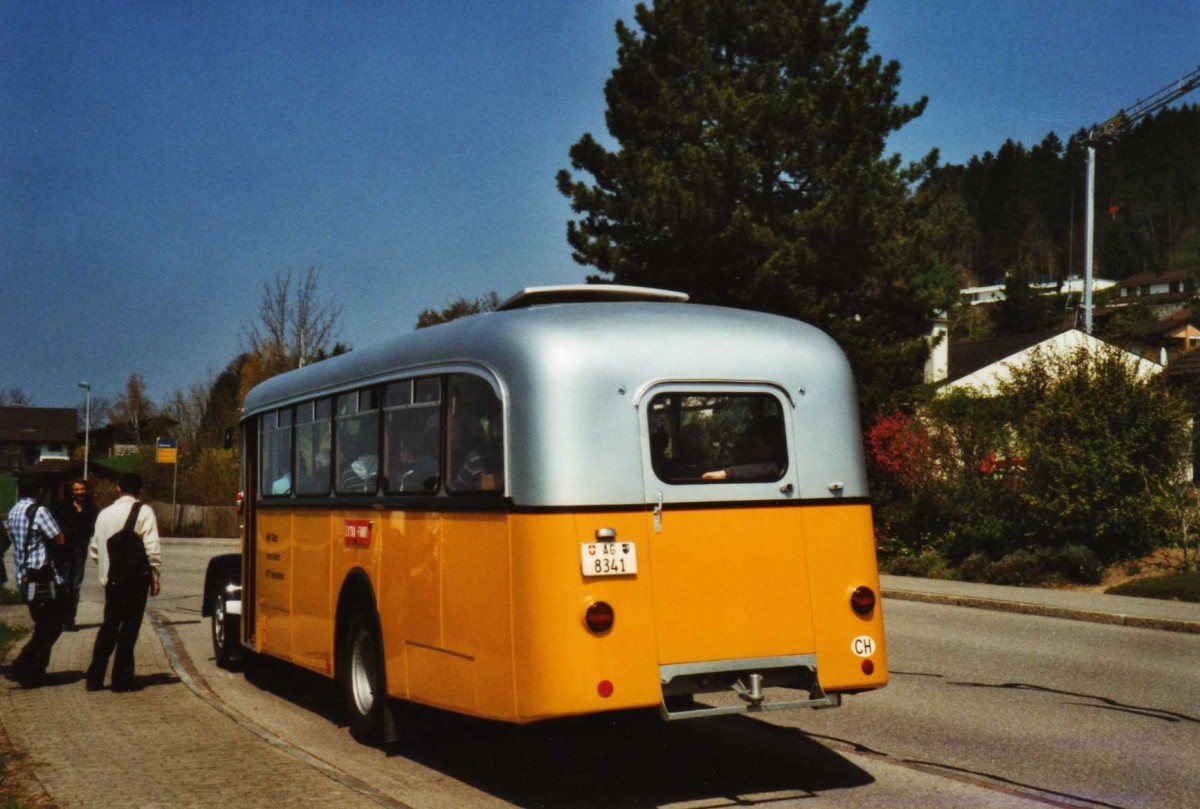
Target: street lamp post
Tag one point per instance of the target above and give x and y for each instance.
(87, 426)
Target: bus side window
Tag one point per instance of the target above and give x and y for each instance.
(357, 430)
(412, 433)
(275, 431)
(313, 440)
(476, 436)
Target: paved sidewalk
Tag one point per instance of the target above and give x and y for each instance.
(1147, 613)
(158, 747)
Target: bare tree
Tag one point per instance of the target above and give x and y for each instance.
(101, 407)
(15, 396)
(294, 326)
(132, 407)
(187, 406)
(1180, 502)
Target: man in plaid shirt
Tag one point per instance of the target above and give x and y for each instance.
(33, 530)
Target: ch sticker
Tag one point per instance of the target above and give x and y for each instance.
(863, 646)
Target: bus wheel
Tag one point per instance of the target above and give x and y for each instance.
(362, 681)
(224, 635)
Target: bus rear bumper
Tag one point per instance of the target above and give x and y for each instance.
(747, 678)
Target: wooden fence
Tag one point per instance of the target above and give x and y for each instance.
(196, 521)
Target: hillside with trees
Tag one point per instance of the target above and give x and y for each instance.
(1017, 214)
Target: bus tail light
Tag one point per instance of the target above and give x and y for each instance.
(862, 600)
(599, 616)
(868, 667)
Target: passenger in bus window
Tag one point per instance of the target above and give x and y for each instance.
(419, 457)
(316, 480)
(359, 474)
(482, 461)
(758, 454)
(420, 472)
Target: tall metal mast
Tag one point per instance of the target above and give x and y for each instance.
(1114, 126)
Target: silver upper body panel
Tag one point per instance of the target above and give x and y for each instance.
(576, 378)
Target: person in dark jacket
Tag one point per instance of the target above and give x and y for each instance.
(77, 519)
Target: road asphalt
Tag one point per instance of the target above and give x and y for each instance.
(164, 746)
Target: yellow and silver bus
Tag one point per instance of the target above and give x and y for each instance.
(595, 498)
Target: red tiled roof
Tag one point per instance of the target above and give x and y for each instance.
(1153, 278)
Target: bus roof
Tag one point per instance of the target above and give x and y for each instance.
(570, 374)
(686, 342)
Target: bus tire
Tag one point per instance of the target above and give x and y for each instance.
(225, 631)
(363, 683)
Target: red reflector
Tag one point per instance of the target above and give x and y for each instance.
(868, 667)
(862, 600)
(604, 689)
(599, 616)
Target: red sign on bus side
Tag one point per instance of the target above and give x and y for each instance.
(358, 533)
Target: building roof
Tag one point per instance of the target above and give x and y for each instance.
(1172, 322)
(38, 424)
(966, 358)
(1185, 365)
(1167, 277)
(987, 378)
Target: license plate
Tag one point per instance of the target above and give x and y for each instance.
(608, 558)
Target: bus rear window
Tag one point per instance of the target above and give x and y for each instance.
(717, 438)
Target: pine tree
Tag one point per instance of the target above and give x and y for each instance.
(750, 172)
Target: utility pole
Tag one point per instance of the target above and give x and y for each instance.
(1123, 120)
(87, 427)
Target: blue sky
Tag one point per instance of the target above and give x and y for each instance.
(160, 160)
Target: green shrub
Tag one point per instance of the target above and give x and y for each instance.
(928, 565)
(1019, 567)
(1074, 563)
(975, 567)
(1066, 457)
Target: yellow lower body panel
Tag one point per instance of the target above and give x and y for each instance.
(484, 613)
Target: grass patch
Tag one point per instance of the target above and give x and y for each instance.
(1174, 587)
(121, 463)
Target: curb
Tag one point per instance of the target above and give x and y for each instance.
(186, 671)
(1045, 610)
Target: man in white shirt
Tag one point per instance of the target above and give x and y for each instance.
(124, 603)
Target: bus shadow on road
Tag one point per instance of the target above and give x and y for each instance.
(630, 759)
